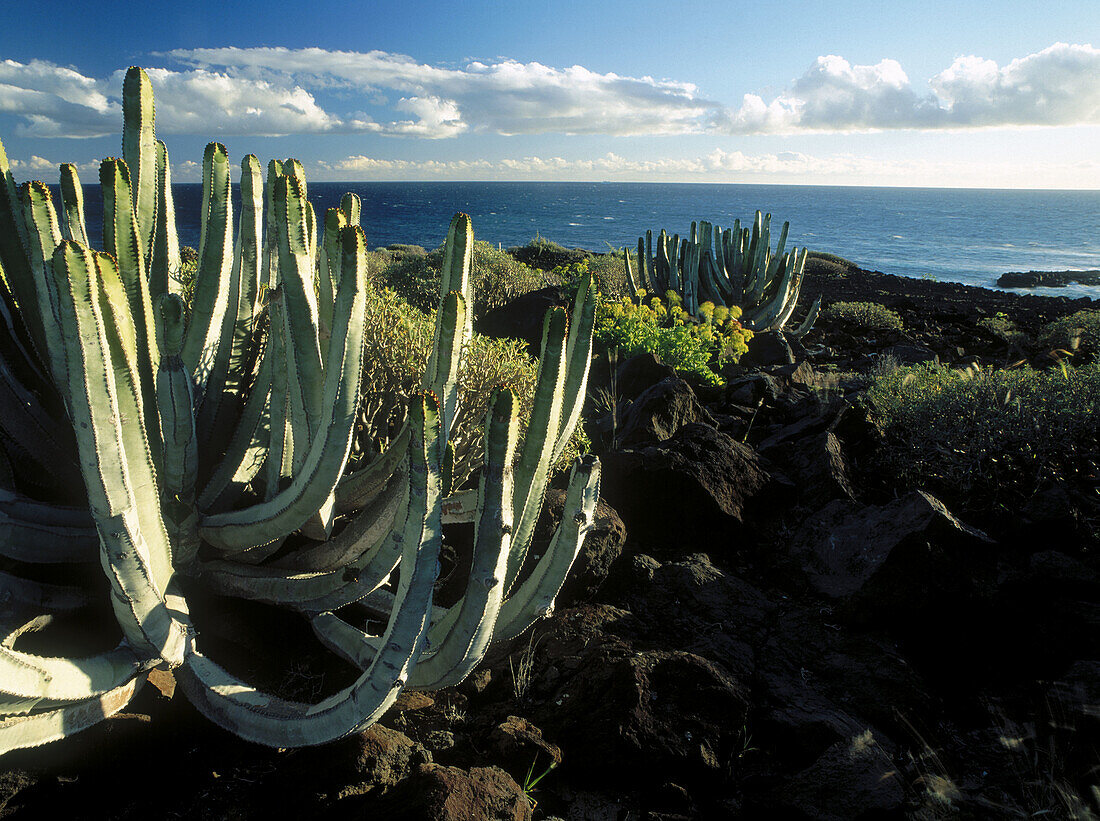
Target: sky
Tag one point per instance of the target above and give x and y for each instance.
(894, 93)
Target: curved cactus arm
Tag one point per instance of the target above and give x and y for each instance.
(274, 722)
(244, 455)
(358, 488)
(774, 259)
(139, 149)
(296, 273)
(36, 729)
(354, 563)
(72, 200)
(215, 267)
(37, 434)
(808, 322)
(164, 258)
(631, 283)
(269, 272)
(441, 373)
(313, 485)
(43, 543)
(22, 596)
(774, 312)
(121, 239)
(231, 368)
(277, 462)
(533, 468)
(578, 358)
(359, 534)
(534, 599)
(328, 274)
(118, 468)
(16, 265)
(41, 218)
(44, 678)
(179, 455)
(352, 207)
(458, 251)
(460, 639)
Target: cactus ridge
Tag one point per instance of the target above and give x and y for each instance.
(158, 441)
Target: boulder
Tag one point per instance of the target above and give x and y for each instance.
(768, 348)
(603, 544)
(639, 373)
(901, 557)
(518, 742)
(855, 778)
(522, 317)
(817, 466)
(692, 605)
(659, 411)
(437, 793)
(686, 494)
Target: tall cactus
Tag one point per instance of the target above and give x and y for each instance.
(731, 267)
(161, 448)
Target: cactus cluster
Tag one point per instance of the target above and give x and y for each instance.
(731, 267)
(155, 446)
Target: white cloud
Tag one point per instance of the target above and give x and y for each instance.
(277, 91)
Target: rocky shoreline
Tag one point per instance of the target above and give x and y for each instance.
(757, 627)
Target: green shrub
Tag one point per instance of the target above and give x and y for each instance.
(984, 439)
(1079, 332)
(396, 352)
(867, 315)
(819, 263)
(1001, 326)
(546, 254)
(609, 271)
(497, 277)
(664, 329)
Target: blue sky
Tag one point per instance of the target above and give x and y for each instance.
(850, 93)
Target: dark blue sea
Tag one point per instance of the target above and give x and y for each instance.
(959, 235)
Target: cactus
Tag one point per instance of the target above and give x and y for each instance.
(161, 448)
(735, 267)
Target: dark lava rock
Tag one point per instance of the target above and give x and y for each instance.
(686, 494)
(639, 373)
(768, 348)
(376, 758)
(519, 742)
(436, 793)
(659, 412)
(1047, 279)
(855, 778)
(904, 556)
(629, 714)
(603, 544)
(818, 468)
(910, 354)
(522, 317)
(693, 605)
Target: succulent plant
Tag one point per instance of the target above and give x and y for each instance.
(146, 443)
(731, 267)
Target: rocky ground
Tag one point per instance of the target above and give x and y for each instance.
(757, 627)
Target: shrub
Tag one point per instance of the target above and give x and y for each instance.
(664, 329)
(396, 353)
(867, 315)
(1078, 332)
(985, 438)
(546, 254)
(819, 263)
(497, 277)
(1001, 326)
(609, 271)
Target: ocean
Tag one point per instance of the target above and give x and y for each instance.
(952, 235)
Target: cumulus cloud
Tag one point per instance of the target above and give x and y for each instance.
(278, 91)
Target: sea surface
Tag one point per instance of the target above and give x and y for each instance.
(952, 235)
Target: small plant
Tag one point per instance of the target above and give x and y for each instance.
(523, 669)
(530, 781)
(1004, 328)
(867, 315)
(1079, 333)
(689, 345)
